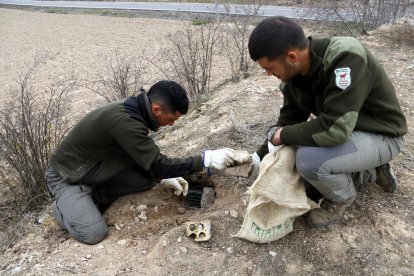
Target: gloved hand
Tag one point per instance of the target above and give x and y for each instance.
(271, 133)
(218, 159)
(272, 147)
(241, 157)
(179, 184)
(272, 130)
(256, 161)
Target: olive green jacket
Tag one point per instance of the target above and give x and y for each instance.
(346, 90)
(115, 137)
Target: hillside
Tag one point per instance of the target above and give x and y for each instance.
(375, 236)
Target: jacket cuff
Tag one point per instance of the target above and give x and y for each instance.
(198, 162)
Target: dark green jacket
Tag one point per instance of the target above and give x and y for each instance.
(346, 89)
(112, 138)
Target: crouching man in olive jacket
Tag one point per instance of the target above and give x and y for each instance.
(109, 154)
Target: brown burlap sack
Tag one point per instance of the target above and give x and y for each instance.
(276, 198)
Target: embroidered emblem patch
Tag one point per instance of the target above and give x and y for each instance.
(343, 77)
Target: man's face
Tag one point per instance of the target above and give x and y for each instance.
(163, 117)
(280, 68)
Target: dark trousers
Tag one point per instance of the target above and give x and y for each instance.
(78, 206)
(129, 181)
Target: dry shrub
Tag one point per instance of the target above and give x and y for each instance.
(122, 76)
(32, 124)
(400, 32)
(363, 15)
(188, 58)
(236, 36)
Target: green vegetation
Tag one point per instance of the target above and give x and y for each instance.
(200, 21)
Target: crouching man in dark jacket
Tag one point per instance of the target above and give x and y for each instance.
(357, 126)
(109, 154)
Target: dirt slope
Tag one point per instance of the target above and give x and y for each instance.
(375, 237)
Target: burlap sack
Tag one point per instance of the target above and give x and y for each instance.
(276, 198)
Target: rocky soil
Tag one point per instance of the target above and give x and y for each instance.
(374, 237)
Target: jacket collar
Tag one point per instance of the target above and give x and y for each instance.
(139, 108)
(317, 50)
(153, 122)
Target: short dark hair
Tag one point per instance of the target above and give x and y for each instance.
(274, 37)
(170, 95)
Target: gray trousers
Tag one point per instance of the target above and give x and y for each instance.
(76, 208)
(331, 170)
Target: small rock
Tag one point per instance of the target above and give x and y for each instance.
(101, 246)
(183, 249)
(207, 199)
(144, 252)
(240, 170)
(273, 253)
(229, 250)
(88, 256)
(179, 239)
(143, 216)
(141, 208)
(165, 242)
(156, 209)
(117, 227)
(234, 213)
(122, 242)
(84, 259)
(181, 210)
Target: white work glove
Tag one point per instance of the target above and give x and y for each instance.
(272, 147)
(179, 184)
(256, 161)
(218, 159)
(241, 157)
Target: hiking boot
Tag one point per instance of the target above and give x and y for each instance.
(386, 178)
(328, 213)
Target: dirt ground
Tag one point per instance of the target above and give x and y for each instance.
(374, 238)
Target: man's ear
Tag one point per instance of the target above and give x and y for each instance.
(156, 108)
(292, 57)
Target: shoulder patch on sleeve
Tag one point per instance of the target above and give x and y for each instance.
(343, 77)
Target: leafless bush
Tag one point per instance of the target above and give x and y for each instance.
(237, 32)
(32, 123)
(122, 76)
(367, 14)
(401, 32)
(188, 58)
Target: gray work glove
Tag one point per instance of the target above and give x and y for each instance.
(271, 132)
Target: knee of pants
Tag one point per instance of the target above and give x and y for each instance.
(307, 167)
(92, 234)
